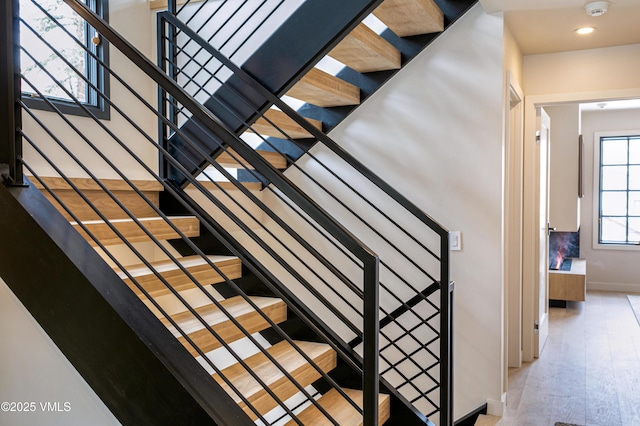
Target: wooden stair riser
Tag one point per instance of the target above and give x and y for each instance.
(365, 51)
(137, 206)
(131, 200)
(341, 410)
(180, 281)
(189, 226)
(324, 90)
(252, 322)
(411, 17)
(230, 158)
(302, 372)
(279, 125)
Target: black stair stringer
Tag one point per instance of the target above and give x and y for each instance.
(133, 363)
(315, 28)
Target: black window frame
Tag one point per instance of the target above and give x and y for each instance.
(628, 136)
(94, 71)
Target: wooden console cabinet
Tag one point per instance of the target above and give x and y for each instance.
(569, 285)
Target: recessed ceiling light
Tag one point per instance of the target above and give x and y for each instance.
(585, 30)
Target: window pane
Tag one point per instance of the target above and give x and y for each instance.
(614, 177)
(634, 203)
(614, 151)
(634, 177)
(634, 150)
(614, 203)
(613, 229)
(634, 229)
(60, 41)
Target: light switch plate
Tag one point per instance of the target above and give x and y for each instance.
(455, 241)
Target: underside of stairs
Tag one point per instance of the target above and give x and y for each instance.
(284, 65)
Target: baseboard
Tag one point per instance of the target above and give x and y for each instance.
(496, 407)
(470, 418)
(619, 287)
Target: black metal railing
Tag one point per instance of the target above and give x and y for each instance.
(406, 372)
(282, 236)
(51, 153)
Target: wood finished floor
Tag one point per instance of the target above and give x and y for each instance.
(589, 371)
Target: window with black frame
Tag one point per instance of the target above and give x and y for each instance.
(60, 57)
(619, 190)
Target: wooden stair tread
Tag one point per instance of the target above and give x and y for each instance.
(365, 51)
(284, 124)
(291, 360)
(411, 17)
(188, 225)
(138, 205)
(238, 308)
(176, 278)
(341, 410)
(58, 183)
(227, 159)
(229, 186)
(325, 90)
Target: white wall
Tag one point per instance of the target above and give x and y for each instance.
(616, 270)
(612, 68)
(564, 204)
(32, 369)
(512, 56)
(435, 133)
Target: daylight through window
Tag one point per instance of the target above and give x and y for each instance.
(54, 57)
(619, 194)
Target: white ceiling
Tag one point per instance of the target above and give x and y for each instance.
(547, 26)
(611, 105)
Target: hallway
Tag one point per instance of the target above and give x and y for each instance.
(589, 372)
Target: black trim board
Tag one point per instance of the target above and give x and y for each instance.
(132, 362)
(470, 418)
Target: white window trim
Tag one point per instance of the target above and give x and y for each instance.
(596, 192)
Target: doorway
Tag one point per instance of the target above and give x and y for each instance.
(531, 103)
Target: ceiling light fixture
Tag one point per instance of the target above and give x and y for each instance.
(596, 8)
(585, 30)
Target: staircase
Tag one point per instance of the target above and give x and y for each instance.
(243, 271)
(259, 382)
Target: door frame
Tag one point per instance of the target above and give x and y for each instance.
(530, 105)
(514, 132)
(531, 239)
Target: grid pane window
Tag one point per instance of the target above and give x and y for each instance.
(58, 56)
(619, 212)
(39, 24)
